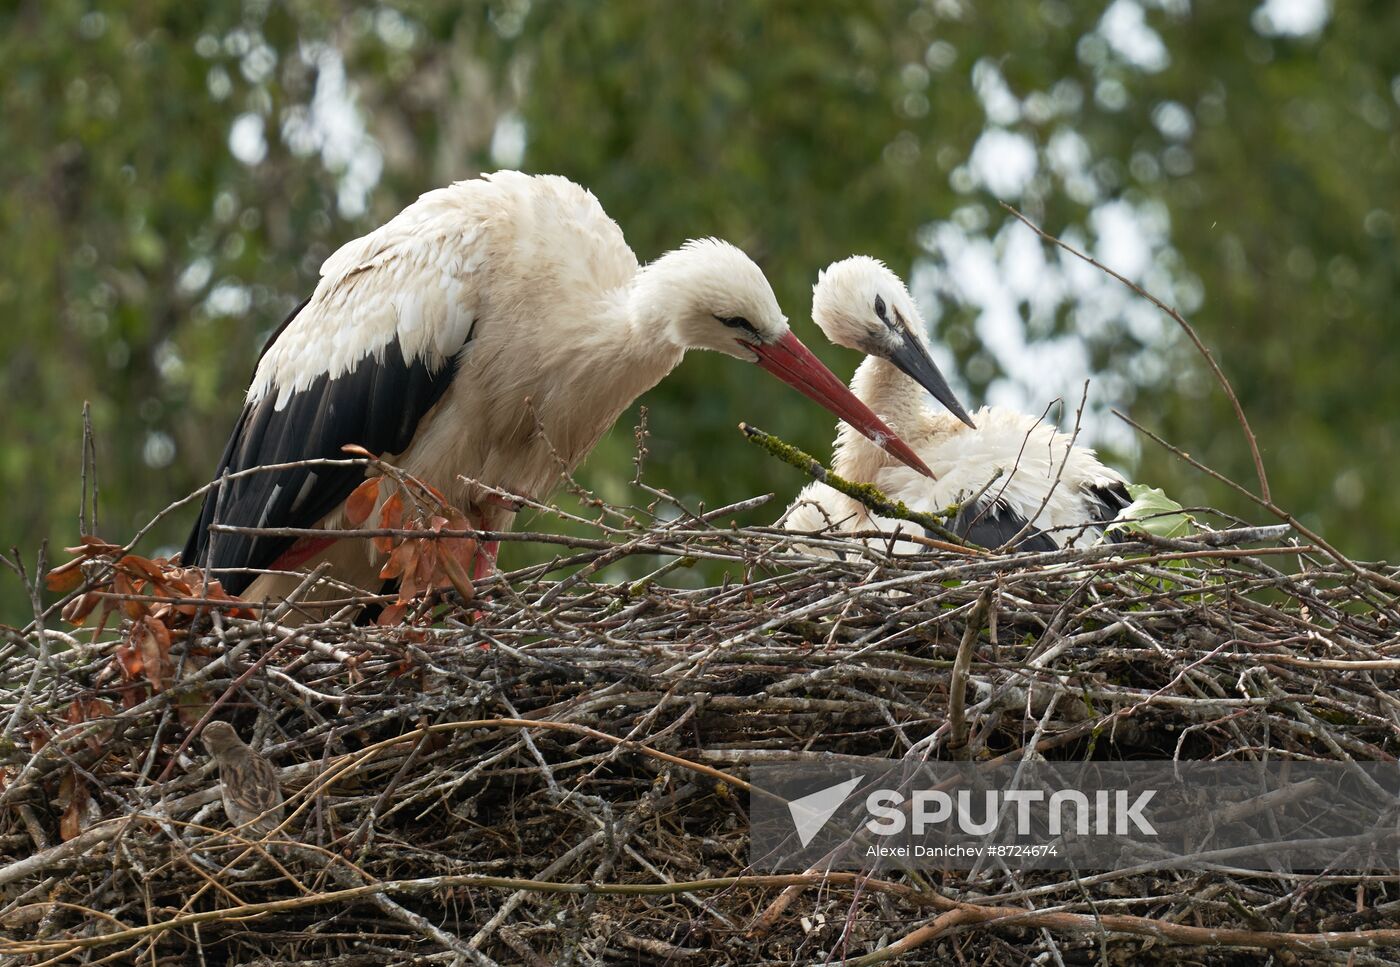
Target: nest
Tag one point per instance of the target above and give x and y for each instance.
(554, 771)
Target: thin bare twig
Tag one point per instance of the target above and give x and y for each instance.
(1186, 327)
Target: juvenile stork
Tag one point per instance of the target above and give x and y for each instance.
(1019, 479)
(486, 328)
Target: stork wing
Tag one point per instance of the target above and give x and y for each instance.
(360, 362)
(1106, 500)
(993, 523)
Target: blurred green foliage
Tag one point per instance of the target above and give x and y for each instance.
(172, 175)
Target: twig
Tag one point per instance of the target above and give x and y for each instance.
(957, 685)
(866, 494)
(1185, 326)
(1388, 583)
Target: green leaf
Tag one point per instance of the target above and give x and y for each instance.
(1153, 512)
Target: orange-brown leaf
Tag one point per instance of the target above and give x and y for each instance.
(76, 612)
(400, 562)
(413, 572)
(214, 591)
(130, 661)
(139, 566)
(355, 450)
(151, 638)
(391, 514)
(391, 615)
(425, 568)
(459, 576)
(361, 502)
(70, 824)
(122, 584)
(65, 577)
(90, 546)
(464, 549)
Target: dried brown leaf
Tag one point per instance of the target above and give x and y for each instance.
(392, 615)
(139, 566)
(391, 514)
(122, 584)
(74, 791)
(151, 638)
(76, 612)
(400, 562)
(129, 660)
(65, 577)
(459, 576)
(360, 504)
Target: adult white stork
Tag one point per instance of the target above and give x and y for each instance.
(487, 327)
(1022, 479)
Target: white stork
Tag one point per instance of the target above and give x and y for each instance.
(1022, 480)
(441, 338)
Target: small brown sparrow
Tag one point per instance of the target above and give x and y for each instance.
(249, 782)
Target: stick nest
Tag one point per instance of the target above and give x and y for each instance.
(553, 772)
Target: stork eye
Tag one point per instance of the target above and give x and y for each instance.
(880, 310)
(738, 322)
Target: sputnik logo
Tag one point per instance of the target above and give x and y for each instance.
(811, 812)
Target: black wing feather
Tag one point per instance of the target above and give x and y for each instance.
(993, 525)
(376, 405)
(1106, 503)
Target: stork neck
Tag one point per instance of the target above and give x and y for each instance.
(900, 402)
(890, 393)
(647, 330)
(895, 398)
(587, 381)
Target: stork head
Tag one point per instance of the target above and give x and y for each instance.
(860, 304)
(708, 294)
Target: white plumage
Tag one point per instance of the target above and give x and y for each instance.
(412, 279)
(486, 328)
(1025, 479)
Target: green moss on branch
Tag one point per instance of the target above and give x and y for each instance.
(869, 495)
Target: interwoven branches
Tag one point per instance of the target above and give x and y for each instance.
(556, 769)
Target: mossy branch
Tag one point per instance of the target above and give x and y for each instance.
(869, 495)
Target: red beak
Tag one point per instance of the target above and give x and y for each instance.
(794, 364)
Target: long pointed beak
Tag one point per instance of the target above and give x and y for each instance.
(913, 361)
(794, 364)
